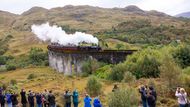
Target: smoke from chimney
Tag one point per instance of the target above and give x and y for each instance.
(55, 34)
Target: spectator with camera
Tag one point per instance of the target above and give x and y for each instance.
(182, 97)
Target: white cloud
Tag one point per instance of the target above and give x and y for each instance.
(171, 7)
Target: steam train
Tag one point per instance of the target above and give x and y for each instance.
(55, 46)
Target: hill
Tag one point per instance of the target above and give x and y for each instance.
(93, 20)
(185, 15)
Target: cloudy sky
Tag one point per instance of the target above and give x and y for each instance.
(171, 7)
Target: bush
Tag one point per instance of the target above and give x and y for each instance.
(129, 77)
(90, 66)
(123, 98)
(144, 63)
(10, 67)
(13, 82)
(3, 68)
(170, 73)
(117, 72)
(182, 56)
(31, 76)
(38, 57)
(103, 72)
(2, 60)
(93, 86)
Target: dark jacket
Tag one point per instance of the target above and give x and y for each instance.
(51, 99)
(23, 97)
(2, 99)
(31, 98)
(151, 101)
(143, 93)
(38, 99)
(14, 99)
(67, 97)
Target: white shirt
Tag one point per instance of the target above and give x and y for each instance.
(182, 98)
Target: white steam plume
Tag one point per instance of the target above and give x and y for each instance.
(55, 34)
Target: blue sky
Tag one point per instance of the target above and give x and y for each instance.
(171, 7)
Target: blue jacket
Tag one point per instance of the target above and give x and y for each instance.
(75, 97)
(87, 101)
(97, 103)
(8, 98)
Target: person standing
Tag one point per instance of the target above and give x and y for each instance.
(31, 99)
(151, 100)
(75, 98)
(2, 99)
(87, 101)
(39, 99)
(45, 98)
(51, 99)
(14, 99)
(182, 96)
(67, 97)
(23, 98)
(8, 99)
(143, 93)
(153, 92)
(97, 102)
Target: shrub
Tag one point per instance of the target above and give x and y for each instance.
(129, 77)
(187, 71)
(2, 60)
(170, 72)
(93, 86)
(182, 55)
(89, 67)
(31, 76)
(123, 98)
(117, 72)
(38, 57)
(103, 72)
(13, 82)
(2, 69)
(144, 63)
(10, 67)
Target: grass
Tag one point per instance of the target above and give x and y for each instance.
(46, 78)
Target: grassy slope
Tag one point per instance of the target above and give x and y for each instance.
(51, 80)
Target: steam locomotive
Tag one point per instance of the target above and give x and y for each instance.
(55, 46)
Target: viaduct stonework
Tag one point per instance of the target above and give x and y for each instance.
(69, 60)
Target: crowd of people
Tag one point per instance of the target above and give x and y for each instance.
(74, 96)
(47, 98)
